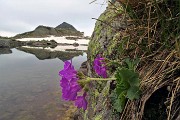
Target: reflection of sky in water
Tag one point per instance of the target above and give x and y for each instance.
(79, 59)
(28, 86)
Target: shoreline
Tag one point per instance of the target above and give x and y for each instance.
(62, 39)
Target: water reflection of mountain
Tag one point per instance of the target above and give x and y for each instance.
(5, 51)
(42, 54)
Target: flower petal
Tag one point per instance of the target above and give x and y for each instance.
(81, 102)
(99, 66)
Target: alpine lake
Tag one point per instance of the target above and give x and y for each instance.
(29, 81)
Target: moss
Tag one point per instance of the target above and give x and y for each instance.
(104, 21)
(96, 93)
(85, 115)
(94, 47)
(112, 44)
(98, 117)
(103, 32)
(105, 91)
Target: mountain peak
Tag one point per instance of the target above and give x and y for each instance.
(64, 29)
(66, 25)
(43, 27)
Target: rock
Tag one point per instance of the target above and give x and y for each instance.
(10, 43)
(5, 51)
(83, 68)
(43, 43)
(103, 41)
(73, 38)
(75, 44)
(105, 36)
(4, 43)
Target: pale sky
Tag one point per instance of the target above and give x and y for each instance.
(18, 16)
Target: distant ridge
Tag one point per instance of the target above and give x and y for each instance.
(64, 29)
(65, 25)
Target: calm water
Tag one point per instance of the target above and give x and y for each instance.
(29, 87)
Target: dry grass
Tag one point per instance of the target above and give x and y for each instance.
(154, 37)
(155, 74)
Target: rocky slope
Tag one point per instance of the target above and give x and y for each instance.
(104, 40)
(118, 35)
(63, 29)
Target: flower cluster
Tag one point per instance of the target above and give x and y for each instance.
(127, 83)
(70, 86)
(69, 82)
(99, 66)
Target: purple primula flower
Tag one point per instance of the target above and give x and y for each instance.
(70, 86)
(69, 89)
(68, 72)
(71, 93)
(81, 102)
(64, 82)
(99, 66)
(103, 72)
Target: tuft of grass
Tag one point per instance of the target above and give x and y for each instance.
(155, 33)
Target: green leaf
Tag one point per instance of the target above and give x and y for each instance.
(122, 74)
(134, 81)
(125, 75)
(120, 102)
(120, 89)
(127, 85)
(128, 62)
(132, 63)
(133, 93)
(117, 106)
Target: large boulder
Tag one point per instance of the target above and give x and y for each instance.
(122, 32)
(5, 51)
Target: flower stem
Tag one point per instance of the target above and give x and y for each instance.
(88, 79)
(101, 79)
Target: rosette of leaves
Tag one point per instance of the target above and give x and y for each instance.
(127, 86)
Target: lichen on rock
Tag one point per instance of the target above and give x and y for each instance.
(104, 40)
